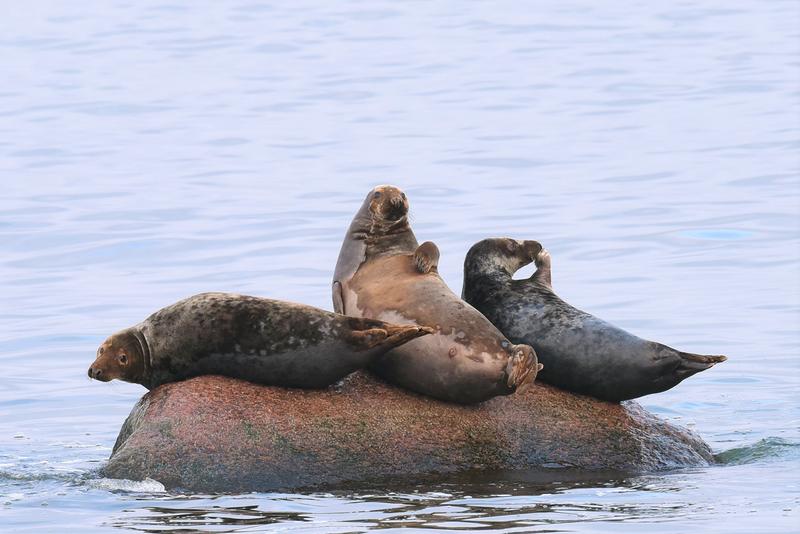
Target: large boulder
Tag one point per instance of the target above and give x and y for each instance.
(220, 434)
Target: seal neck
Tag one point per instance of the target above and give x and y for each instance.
(382, 236)
(479, 286)
(484, 270)
(144, 349)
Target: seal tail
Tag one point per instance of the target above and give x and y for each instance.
(690, 364)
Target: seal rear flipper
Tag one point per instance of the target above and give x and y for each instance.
(522, 367)
(389, 337)
(400, 334)
(690, 364)
(426, 257)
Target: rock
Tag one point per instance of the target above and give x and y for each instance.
(213, 433)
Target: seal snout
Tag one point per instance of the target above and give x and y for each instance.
(532, 248)
(96, 373)
(396, 208)
(388, 203)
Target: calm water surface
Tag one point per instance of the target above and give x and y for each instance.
(149, 151)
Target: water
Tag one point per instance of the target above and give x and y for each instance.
(151, 151)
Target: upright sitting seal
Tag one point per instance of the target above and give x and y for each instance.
(383, 274)
(261, 340)
(580, 352)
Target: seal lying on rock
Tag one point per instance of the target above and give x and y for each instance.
(265, 341)
(580, 352)
(382, 273)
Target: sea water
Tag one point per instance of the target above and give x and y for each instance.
(153, 150)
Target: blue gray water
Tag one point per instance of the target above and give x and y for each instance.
(149, 151)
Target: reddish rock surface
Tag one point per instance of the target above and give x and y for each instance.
(219, 434)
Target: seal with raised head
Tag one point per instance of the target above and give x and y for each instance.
(382, 273)
(581, 353)
(265, 341)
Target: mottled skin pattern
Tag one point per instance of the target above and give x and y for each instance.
(382, 273)
(580, 352)
(261, 340)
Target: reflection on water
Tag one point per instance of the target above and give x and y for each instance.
(151, 151)
(505, 502)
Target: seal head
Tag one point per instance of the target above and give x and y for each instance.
(501, 256)
(123, 357)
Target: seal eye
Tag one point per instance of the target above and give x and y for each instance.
(123, 358)
(403, 195)
(376, 194)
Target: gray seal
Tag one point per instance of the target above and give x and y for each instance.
(581, 353)
(265, 341)
(384, 274)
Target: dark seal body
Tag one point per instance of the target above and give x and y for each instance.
(383, 274)
(261, 340)
(580, 352)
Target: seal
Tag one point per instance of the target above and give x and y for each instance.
(265, 341)
(581, 353)
(383, 274)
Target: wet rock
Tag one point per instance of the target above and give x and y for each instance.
(219, 434)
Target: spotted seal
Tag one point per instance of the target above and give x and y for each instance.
(382, 273)
(262, 340)
(581, 353)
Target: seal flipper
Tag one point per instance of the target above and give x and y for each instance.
(690, 364)
(399, 334)
(390, 336)
(426, 257)
(338, 301)
(522, 367)
(543, 274)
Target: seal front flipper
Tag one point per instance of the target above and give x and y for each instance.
(338, 301)
(426, 257)
(543, 274)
